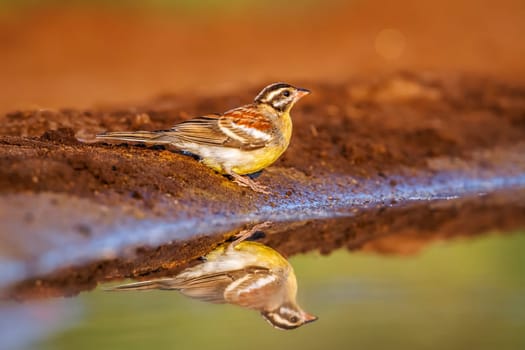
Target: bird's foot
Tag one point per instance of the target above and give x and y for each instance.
(245, 181)
(245, 234)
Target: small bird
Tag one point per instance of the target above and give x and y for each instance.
(244, 273)
(239, 142)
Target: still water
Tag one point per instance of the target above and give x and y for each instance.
(453, 295)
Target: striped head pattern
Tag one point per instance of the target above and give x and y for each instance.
(281, 96)
(287, 316)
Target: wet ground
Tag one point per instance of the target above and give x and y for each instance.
(385, 164)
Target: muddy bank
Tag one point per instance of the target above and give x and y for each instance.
(397, 162)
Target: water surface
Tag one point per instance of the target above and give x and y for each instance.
(453, 295)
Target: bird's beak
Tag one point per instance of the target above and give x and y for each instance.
(301, 93)
(309, 318)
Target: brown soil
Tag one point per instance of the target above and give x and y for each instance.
(357, 128)
(362, 137)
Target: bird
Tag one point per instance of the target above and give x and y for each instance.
(244, 273)
(238, 142)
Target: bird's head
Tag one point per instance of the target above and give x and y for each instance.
(280, 96)
(288, 316)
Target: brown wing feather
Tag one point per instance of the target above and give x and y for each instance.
(203, 130)
(206, 288)
(254, 287)
(214, 287)
(229, 130)
(254, 290)
(209, 287)
(250, 117)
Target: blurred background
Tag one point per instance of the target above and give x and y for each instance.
(81, 53)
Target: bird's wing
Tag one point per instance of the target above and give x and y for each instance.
(214, 287)
(201, 130)
(250, 287)
(239, 128)
(206, 288)
(247, 126)
(255, 289)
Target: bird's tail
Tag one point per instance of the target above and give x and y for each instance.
(155, 137)
(163, 284)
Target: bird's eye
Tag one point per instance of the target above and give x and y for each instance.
(294, 319)
(286, 93)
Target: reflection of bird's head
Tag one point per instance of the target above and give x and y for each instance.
(280, 96)
(287, 316)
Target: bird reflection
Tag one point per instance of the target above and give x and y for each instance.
(244, 273)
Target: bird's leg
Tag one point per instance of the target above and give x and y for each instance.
(245, 234)
(245, 181)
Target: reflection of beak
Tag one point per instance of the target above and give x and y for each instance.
(309, 318)
(301, 93)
